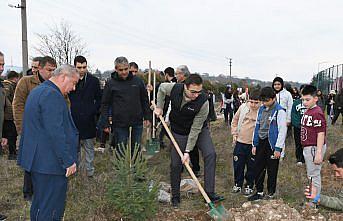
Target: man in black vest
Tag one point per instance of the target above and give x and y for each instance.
(189, 111)
(182, 72)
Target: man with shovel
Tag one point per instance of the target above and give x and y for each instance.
(189, 111)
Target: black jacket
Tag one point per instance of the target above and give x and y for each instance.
(339, 101)
(85, 105)
(128, 99)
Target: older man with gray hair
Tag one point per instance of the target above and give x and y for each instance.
(182, 72)
(127, 96)
(49, 141)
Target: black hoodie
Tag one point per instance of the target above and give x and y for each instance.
(128, 99)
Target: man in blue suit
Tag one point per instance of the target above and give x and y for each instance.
(48, 145)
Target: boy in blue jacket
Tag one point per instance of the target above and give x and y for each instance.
(268, 142)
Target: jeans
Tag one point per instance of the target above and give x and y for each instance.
(88, 146)
(121, 135)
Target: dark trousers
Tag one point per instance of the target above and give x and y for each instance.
(337, 113)
(298, 148)
(228, 114)
(206, 146)
(10, 132)
(194, 158)
(264, 162)
(161, 135)
(242, 158)
(121, 135)
(50, 196)
(27, 187)
(103, 139)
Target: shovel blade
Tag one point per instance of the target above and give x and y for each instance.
(219, 213)
(153, 146)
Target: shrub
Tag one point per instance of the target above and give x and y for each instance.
(131, 192)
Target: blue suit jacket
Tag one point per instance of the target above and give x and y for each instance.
(49, 138)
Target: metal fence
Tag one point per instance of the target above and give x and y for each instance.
(329, 79)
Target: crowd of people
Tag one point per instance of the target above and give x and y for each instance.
(259, 129)
(56, 112)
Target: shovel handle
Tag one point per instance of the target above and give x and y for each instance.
(204, 194)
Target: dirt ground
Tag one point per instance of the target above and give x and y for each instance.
(87, 201)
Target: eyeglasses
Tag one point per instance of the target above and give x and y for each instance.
(194, 91)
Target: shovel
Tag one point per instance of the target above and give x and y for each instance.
(218, 213)
(152, 144)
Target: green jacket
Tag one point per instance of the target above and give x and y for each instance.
(332, 202)
(298, 110)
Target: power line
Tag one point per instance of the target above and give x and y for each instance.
(141, 38)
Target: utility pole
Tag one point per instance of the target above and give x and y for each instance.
(24, 46)
(230, 65)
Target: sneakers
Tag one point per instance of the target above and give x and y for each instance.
(308, 205)
(299, 163)
(100, 149)
(175, 202)
(247, 191)
(256, 197)
(270, 196)
(3, 217)
(236, 189)
(215, 198)
(90, 173)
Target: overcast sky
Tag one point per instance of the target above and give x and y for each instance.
(263, 37)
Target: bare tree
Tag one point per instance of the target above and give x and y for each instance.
(62, 43)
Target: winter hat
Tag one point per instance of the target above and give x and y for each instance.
(278, 79)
